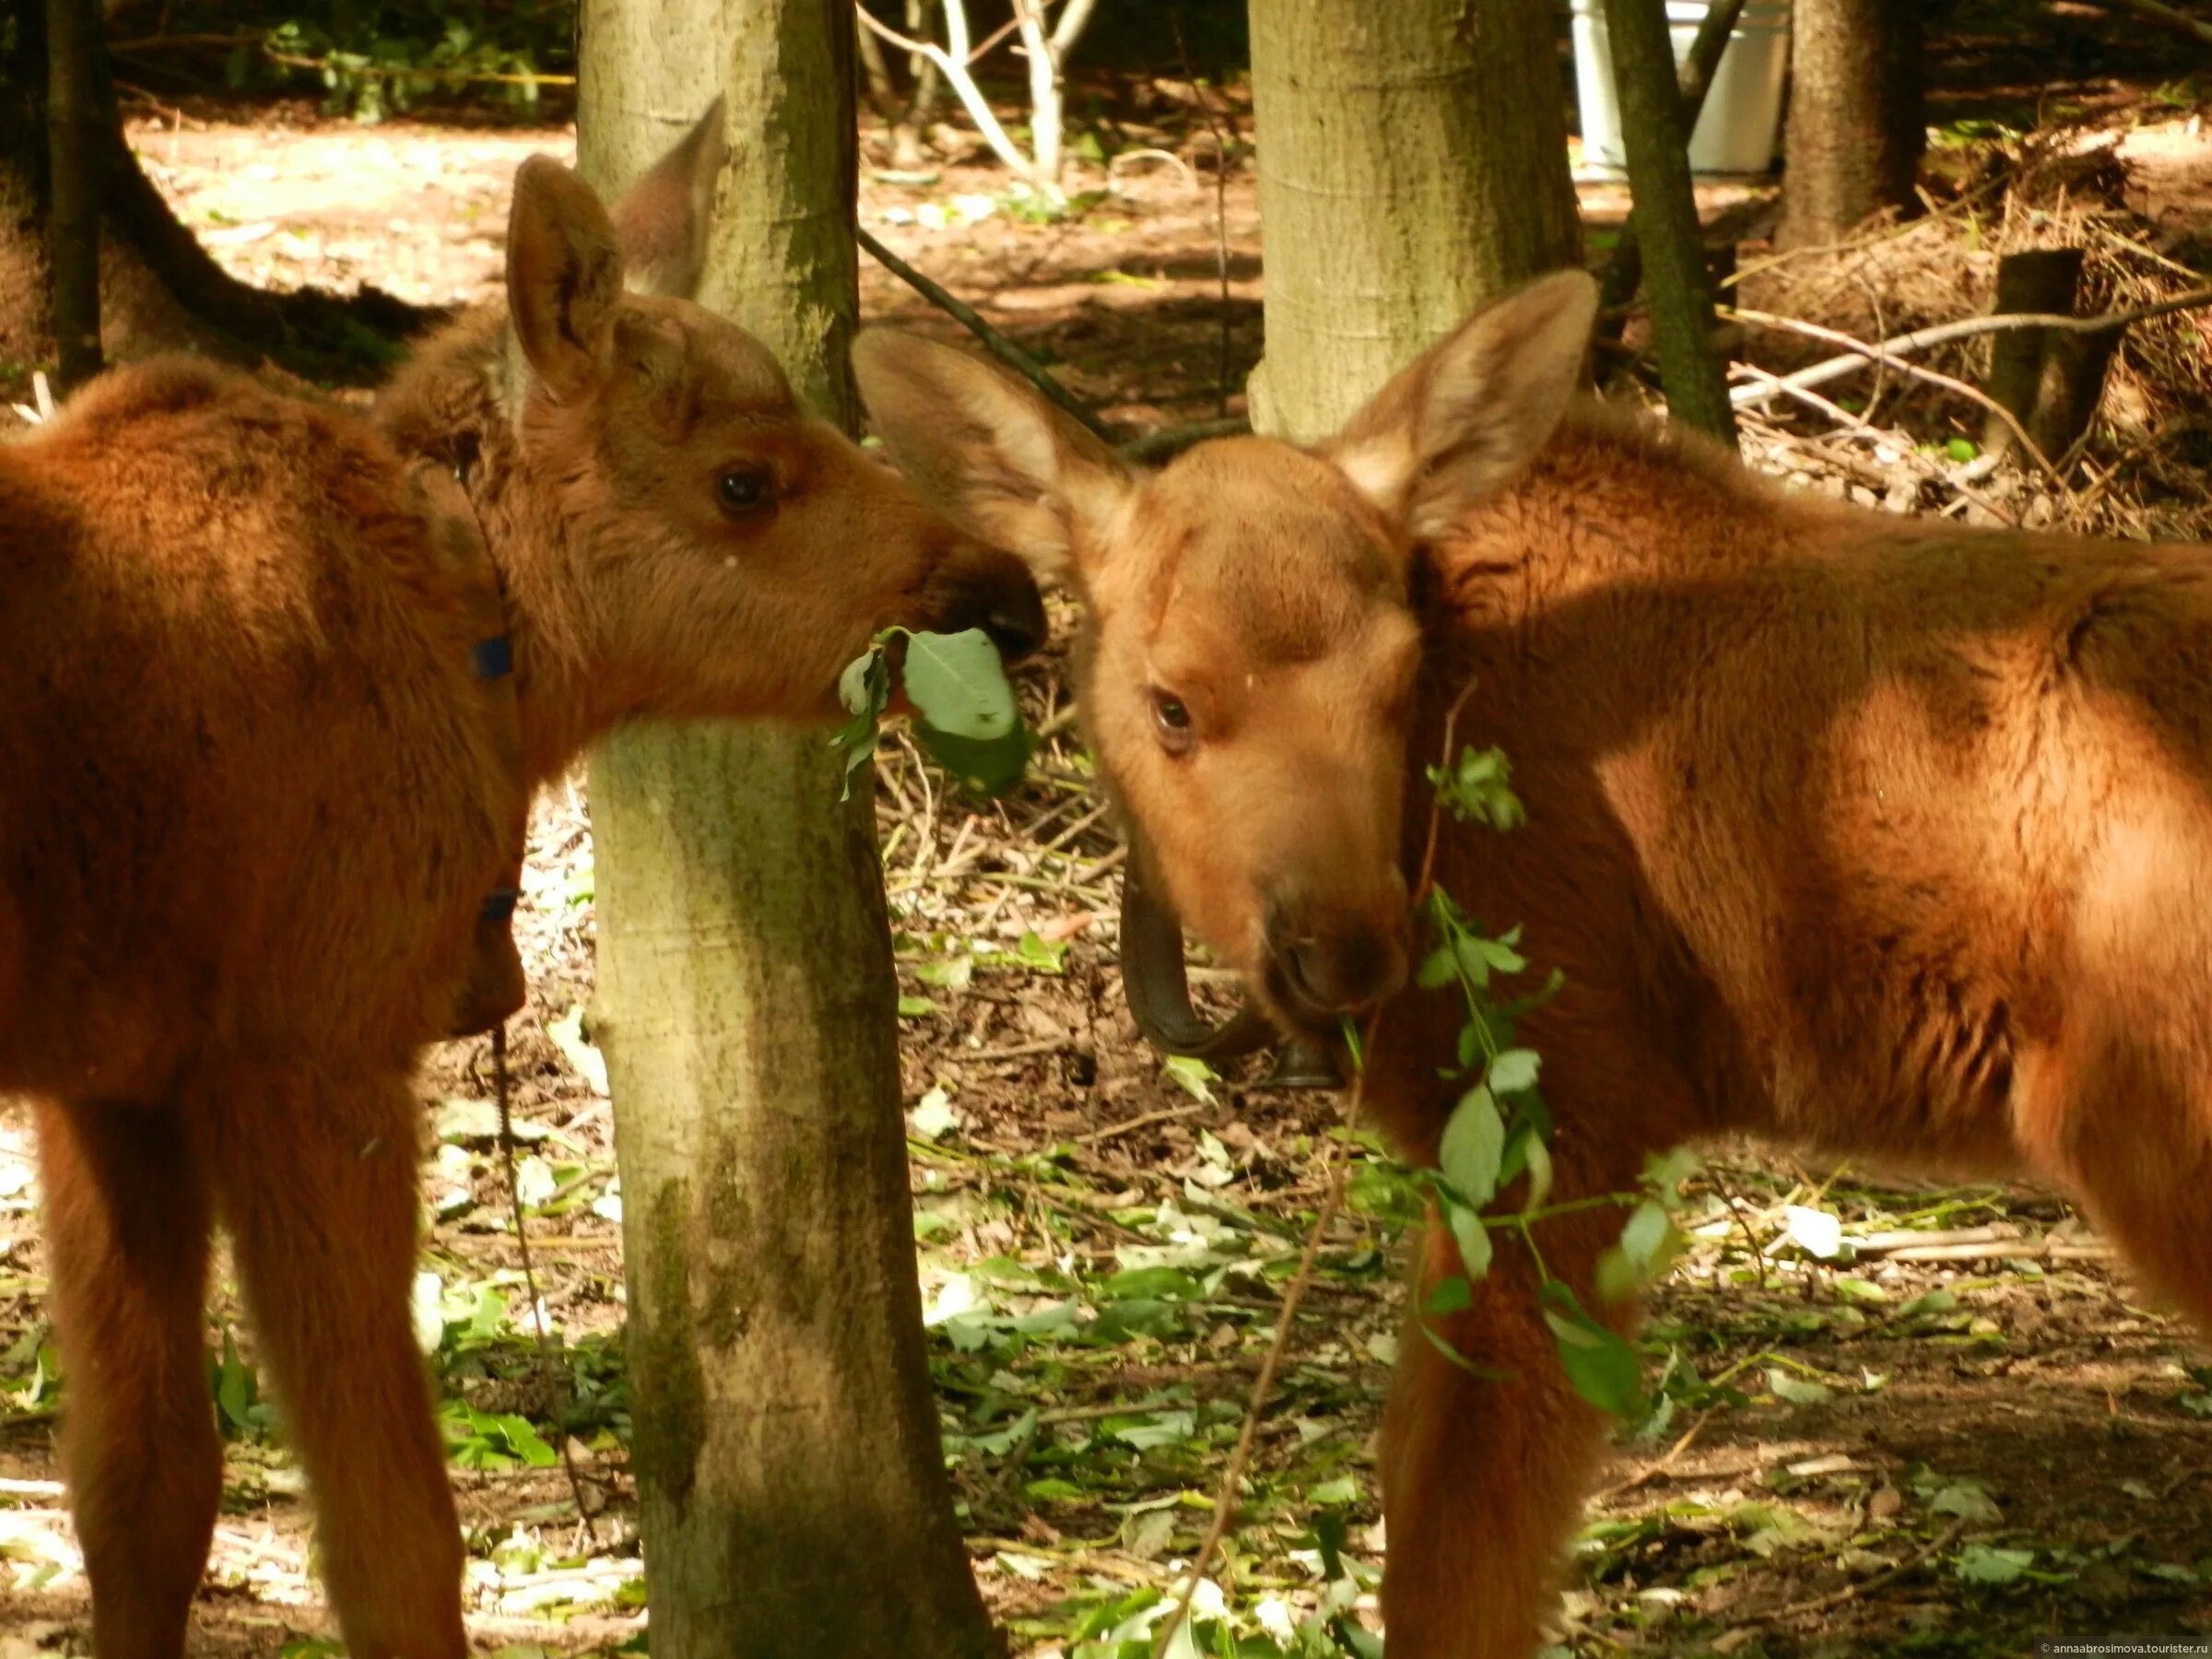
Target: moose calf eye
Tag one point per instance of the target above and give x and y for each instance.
(744, 488)
(1171, 719)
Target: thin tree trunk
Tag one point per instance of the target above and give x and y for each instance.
(72, 125)
(1857, 126)
(1665, 218)
(1412, 161)
(792, 1495)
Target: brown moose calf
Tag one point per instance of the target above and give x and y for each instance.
(267, 752)
(1882, 837)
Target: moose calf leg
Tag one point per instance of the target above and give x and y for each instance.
(318, 1182)
(1482, 1475)
(126, 1228)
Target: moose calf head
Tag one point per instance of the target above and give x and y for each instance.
(678, 529)
(1251, 662)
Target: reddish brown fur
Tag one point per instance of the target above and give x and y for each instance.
(255, 799)
(1887, 838)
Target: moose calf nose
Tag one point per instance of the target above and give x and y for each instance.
(1335, 969)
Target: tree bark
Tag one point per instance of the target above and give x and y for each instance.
(72, 125)
(1412, 161)
(1665, 218)
(1857, 125)
(792, 1495)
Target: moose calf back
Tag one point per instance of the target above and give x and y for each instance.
(227, 627)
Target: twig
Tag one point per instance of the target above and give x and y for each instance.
(1420, 887)
(1224, 1500)
(1015, 1051)
(1100, 1136)
(1821, 1604)
(1205, 108)
(1880, 354)
(1001, 347)
(1663, 1462)
(521, 1242)
(457, 77)
(2167, 18)
(1164, 442)
(1940, 334)
(952, 60)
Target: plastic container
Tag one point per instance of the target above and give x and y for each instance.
(1739, 130)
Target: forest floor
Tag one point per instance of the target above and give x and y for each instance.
(1958, 1431)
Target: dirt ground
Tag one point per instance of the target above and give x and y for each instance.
(1959, 1433)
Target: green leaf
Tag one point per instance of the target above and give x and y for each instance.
(1473, 1146)
(1047, 955)
(1601, 1366)
(915, 1007)
(1472, 1236)
(865, 687)
(1985, 1564)
(990, 766)
(234, 1388)
(1961, 449)
(1191, 1074)
(1647, 1236)
(1513, 1071)
(1165, 1283)
(522, 1439)
(1538, 1156)
(1453, 1295)
(1797, 1391)
(957, 685)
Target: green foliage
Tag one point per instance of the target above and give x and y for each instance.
(375, 58)
(966, 716)
(1498, 1135)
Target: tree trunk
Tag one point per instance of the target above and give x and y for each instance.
(792, 1495)
(1665, 218)
(72, 125)
(1412, 161)
(159, 289)
(1857, 125)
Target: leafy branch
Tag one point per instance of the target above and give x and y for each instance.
(966, 716)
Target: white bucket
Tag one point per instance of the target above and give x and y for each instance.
(1739, 129)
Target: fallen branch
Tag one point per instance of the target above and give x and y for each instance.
(952, 63)
(1881, 354)
(2167, 18)
(1941, 334)
(1821, 1604)
(1001, 347)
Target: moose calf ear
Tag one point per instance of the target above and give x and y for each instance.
(1459, 422)
(986, 451)
(661, 223)
(564, 276)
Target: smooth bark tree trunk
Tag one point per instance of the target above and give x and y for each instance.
(1412, 161)
(791, 1477)
(73, 126)
(1857, 124)
(1665, 218)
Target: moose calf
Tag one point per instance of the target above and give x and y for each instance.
(279, 683)
(1887, 838)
